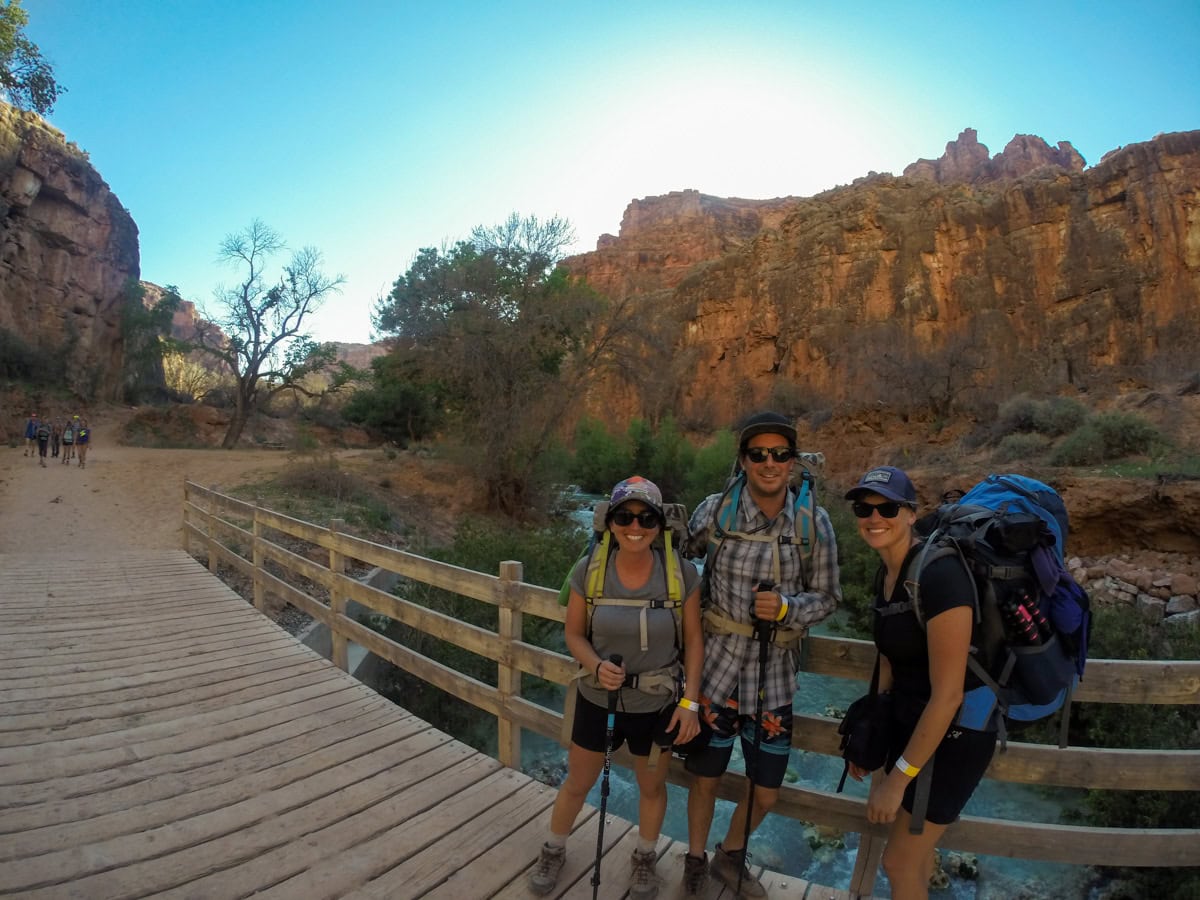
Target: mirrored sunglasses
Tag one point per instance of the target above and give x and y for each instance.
(647, 518)
(779, 454)
(888, 510)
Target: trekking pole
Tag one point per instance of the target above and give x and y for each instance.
(762, 633)
(616, 660)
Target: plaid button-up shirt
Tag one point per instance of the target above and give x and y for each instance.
(731, 660)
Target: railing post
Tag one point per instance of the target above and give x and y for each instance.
(508, 679)
(210, 541)
(186, 542)
(257, 556)
(866, 862)
(339, 652)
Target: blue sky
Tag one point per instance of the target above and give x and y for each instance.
(370, 129)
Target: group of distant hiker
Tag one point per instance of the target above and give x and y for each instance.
(57, 438)
(678, 662)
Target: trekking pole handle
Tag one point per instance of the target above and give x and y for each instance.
(758, 589)
(617, 660)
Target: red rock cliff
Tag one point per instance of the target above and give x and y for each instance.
(969, 277)
(67, 249)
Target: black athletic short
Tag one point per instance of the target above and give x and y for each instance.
(591, 726)
(959, 763)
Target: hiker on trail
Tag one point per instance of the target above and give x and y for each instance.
(43, 441)
(925, 671)
(770, 572)
(657, 644)
(31, 427)
(69, 440)
(55, 437)
(83, 435)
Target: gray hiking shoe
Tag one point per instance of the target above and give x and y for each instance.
(544, 875)
(725, 868)
(695, 874)
(643, 882)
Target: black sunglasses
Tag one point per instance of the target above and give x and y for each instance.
(888, 510)
(647, 518)
(779, 454)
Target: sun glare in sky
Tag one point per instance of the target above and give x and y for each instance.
(371, 129)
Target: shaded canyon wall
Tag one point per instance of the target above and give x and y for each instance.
(67, 249)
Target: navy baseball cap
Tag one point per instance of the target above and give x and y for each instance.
(886, 481)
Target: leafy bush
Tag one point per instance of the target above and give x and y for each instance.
(479, 544)
(1122, 633)
(1017, 414)
(1082, 447)
(684, 473)
(601, 458)
(1021, 447)
(1125, 434)
(23, 362)
(1058, 416)
(1107, 436)
(857, 565)
(710, 469)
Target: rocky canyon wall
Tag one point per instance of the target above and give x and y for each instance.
(967, 276)
(67, 249)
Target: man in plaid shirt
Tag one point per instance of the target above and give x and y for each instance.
(761, 540)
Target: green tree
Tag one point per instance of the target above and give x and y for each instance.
(259, 332)
(146, 335)
(26, 79)
(508, 337)
(396, 404)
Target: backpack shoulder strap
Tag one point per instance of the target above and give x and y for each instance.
(933, 549)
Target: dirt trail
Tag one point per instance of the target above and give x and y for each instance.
(127, 498)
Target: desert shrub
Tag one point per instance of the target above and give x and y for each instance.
(1017, 414)
(1082, 447)
(601, 458)
(857, 565)
(1123, 633)
(1107, 436)
(710, 470)
(665, 456)
(1020, 447)
(1058, 416)
(1125, 434)
(481, 544)
(24, 362)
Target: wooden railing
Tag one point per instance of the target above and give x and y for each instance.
(246, 537)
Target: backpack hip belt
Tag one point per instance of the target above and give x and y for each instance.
(663, 681)
(784, 638)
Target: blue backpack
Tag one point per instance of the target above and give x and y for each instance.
(1033, 620)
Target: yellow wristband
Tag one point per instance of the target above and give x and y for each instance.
(690, 705)
(783, 608)
(906, 767)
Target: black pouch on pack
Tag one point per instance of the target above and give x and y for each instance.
(865, 730)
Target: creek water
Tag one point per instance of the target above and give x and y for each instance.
(791, 847)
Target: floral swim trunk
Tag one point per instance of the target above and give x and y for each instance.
(729, 723)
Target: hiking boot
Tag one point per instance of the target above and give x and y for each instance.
(544, 876)
(695, 874)
(725, 867)
(643, 883)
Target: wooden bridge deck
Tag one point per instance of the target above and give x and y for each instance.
(158, 736)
